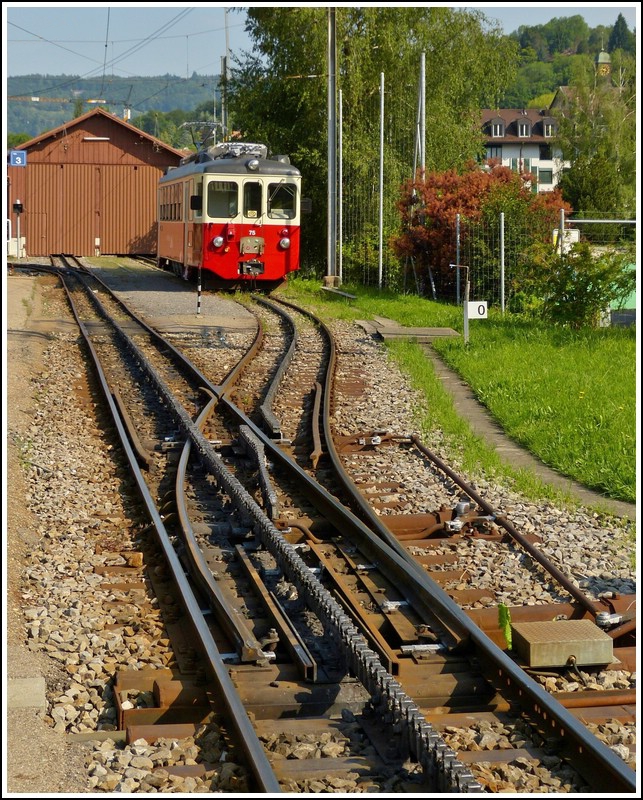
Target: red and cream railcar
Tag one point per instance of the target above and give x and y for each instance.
(233, 212)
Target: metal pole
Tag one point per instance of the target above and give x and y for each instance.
(19, 242)
(502, 261)
(562, 232)
(198, 293)
(332, 150)
(457, 258)
(423, 115)
(224, 98)
(340, 192)
(381, 208)
(466, 305)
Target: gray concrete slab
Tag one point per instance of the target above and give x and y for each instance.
(27, 693)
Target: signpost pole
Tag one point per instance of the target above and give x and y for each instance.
(466, 305)
(198, 293)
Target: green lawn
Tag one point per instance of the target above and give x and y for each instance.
(569, 397)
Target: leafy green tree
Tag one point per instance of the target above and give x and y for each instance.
(598, 133)
(621, 38)
(532, 38)
(542, 101)
(533, 79)
(591, 184)
(278, 92)
(565, 33)
(14, 140)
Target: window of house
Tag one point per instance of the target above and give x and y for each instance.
(495, 153)
(545, 176)
(548, 129)
(521, 164)
(523, 129)
(497, 129)
(544, 152)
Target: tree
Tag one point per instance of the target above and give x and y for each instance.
(535, 78)
(14, 140)
(577, 288)
(621, 38)
(277, 93)
(591, 184)
(598, 132)
(565, 33)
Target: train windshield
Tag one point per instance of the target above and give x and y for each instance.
(282, 198)
(252, 200)
(223, 199)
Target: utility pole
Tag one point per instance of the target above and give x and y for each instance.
(224, 73)
(331, 275)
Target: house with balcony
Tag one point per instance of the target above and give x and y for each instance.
(523, 140)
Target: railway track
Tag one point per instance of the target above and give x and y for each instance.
(312, 599)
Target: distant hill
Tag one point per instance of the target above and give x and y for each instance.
(64, 97)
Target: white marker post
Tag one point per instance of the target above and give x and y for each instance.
(472, 310)
(466, 298)
(198, 293)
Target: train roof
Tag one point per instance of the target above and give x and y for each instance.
(233, 158)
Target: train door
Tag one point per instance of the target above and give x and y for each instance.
(188, 242)
(194, 221)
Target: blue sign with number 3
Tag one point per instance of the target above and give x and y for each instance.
(18, 158)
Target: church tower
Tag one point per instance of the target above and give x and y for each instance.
(603, 64)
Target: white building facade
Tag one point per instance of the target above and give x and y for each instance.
(523, 140)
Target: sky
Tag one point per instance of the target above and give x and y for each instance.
(136, 39)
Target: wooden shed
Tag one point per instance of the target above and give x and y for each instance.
(87, 188)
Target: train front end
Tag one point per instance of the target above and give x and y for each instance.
(241, 216)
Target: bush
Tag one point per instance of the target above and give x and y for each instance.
(577, 288)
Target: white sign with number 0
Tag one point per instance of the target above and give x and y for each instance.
(477, 309)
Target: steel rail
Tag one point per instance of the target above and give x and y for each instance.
(605, 768)
(437, 759)
(266, 407)
(557, 574)
(231, 619)
(258, 762)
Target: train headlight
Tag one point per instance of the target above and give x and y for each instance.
(253, 165)
(217, 241)
(284, 243)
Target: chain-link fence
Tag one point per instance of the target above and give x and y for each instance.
(379, 152)
(493, 252)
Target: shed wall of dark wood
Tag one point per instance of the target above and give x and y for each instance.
(89, 188)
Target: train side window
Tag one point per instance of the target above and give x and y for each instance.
(252, 200)
(223, 199)
(196, 200)
(282, 199)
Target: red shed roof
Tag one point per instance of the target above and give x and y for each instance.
(112, 118)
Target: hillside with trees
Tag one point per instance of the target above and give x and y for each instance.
(64, 97)
(550, 55)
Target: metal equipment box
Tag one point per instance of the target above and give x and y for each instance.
(553, 644)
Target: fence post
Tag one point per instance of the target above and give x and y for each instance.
(562, 231)
(381, 204)
(457, 258)
(502, 261)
